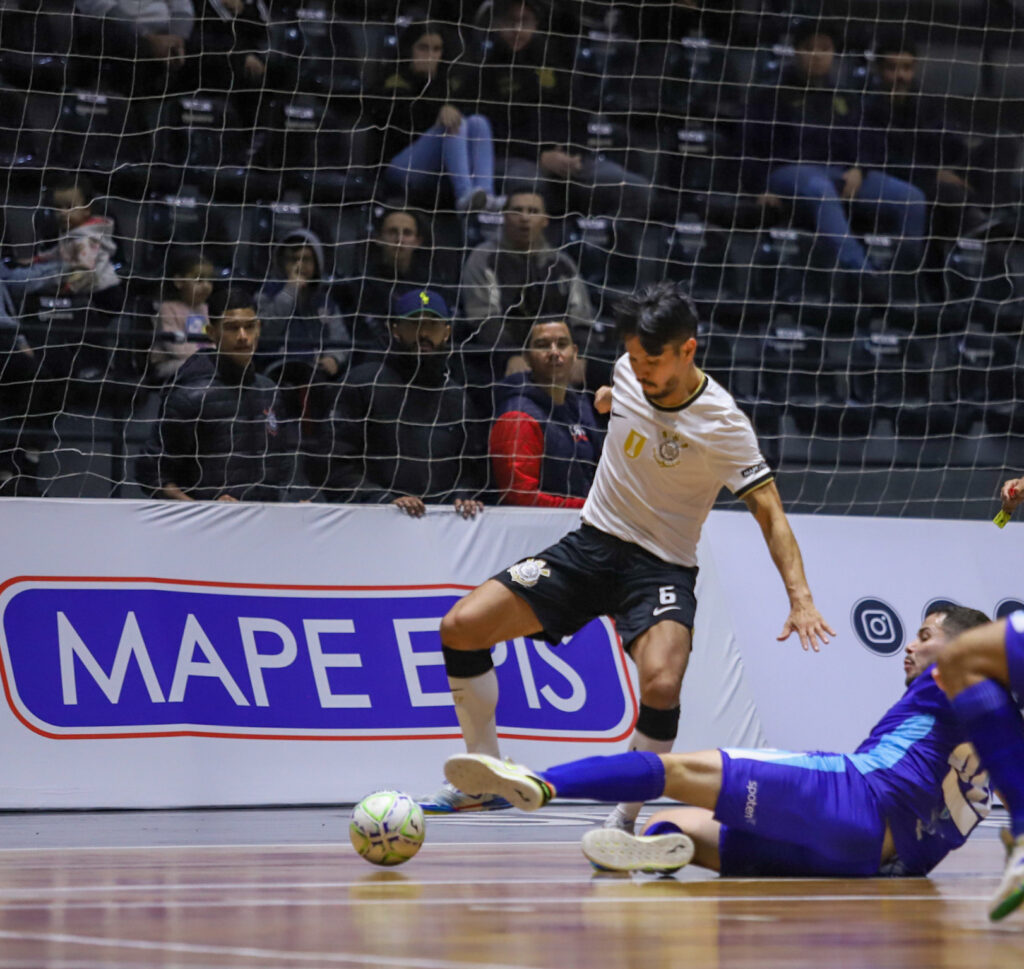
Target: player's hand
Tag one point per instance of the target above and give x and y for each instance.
(809, 625)
(1012, 493)
(228, 498)
(411, 506)
(468, 508)
(853, 178)
(769, 200)
(603, 399)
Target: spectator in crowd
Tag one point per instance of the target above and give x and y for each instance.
(545, 440)
(398, 258)
(911, 139)
(524, 86)
(229, 50)
(182, 317)
(220, 435)
(145, 40)
(425, 132)
(305, 342)
(86, 242)
(802, 151)
(85, 250)
(402, 430)
(510, 281)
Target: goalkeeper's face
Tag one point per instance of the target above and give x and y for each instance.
(236, 334)
(667, 378)
(925, 649)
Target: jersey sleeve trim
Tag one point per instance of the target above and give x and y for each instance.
(767, 478)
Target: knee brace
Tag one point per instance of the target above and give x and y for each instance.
(658, 724)
(464, 663)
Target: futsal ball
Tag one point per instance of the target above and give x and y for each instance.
(387, 828)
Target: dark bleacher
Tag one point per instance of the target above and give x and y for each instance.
(840, 392)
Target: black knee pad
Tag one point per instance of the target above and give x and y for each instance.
(658, 724)
(466, 663)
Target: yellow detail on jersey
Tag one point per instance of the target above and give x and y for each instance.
(634, 444)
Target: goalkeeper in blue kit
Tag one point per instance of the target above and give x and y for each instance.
(909, 794)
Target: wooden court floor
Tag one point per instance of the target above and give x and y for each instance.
(282, 888)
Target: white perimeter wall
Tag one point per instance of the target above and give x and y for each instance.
(162, 654)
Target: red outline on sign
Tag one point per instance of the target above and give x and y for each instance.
(264, 736)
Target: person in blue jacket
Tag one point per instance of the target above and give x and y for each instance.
(545, 440)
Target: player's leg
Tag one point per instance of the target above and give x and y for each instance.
(981, 671)
(636, 775)
(488, 615)
(551, 595)
(661, 654)
(654, 610)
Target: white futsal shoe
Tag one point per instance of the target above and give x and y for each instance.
(619, 820)
(511, 782)
(449, 799)
(1010, 893)
(610, 849)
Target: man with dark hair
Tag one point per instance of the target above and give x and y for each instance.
(398, 258)
(675, 438)
(523, 86)
(909, 794)
(545, 441)
(908, 135)
(402, 431)
(803, 151)
(219, 436)
(510, 280)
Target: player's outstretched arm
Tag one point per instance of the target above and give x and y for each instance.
(804, 618)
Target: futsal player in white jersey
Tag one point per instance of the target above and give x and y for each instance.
(675, 438)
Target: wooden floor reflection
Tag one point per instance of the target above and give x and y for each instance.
(478, 896)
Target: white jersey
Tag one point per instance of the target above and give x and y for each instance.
(662, 468)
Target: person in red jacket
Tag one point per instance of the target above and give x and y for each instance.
(545, 440)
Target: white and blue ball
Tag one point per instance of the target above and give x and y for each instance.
(387, 828)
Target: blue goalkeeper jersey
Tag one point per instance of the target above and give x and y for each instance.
(925, 775)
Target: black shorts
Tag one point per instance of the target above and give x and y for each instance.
(590, 573)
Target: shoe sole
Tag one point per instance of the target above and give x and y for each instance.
(468, 773)
(496, 804)
(610, 849)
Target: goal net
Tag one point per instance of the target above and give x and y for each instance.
(432, 208)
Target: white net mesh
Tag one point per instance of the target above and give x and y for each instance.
(837, 185)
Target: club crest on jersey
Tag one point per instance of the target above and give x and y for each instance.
(634, 444)
(271, 417)
(529, 571)
(670, 449)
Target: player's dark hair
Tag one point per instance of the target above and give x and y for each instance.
(658, 315)
(227, 298)
(958, 619)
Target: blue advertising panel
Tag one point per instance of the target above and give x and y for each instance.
(144, 657)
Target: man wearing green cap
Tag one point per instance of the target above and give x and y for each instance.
(401, 430)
